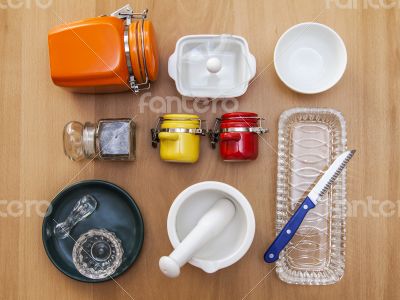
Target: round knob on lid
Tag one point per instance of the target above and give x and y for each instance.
(214, 65)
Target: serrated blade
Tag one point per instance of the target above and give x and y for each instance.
(330, 176)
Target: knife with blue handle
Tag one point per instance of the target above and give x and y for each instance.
(322, 186)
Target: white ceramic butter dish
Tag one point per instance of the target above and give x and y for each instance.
(212, 66)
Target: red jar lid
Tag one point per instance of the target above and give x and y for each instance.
(239, 119)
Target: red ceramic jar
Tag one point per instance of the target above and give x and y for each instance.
(238, 136)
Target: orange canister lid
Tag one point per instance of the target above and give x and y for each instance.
(150, 50)
(144, 59)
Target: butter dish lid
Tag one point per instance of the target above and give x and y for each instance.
(212, 66)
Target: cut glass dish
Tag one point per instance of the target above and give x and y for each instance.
(309, 141)
(97, 254)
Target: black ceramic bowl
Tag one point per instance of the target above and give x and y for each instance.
(116, 211)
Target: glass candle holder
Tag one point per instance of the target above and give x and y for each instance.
(108, 139)
(83, 208)
(97, 254)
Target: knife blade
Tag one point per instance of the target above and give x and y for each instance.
(319, 190)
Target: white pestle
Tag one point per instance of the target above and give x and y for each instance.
(209, 226)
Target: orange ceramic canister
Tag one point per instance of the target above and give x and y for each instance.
(105, 54)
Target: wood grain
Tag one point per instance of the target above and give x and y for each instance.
(33, 166)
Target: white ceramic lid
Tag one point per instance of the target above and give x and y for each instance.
(212, 66)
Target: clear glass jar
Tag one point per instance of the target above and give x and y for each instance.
(108, 139)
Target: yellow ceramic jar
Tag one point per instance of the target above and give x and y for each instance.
(179, 137)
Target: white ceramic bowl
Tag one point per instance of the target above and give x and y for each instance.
(233, 242)
(310, 58)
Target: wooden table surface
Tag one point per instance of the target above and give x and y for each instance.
(33, 167)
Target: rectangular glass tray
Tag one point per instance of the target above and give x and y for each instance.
(309, 141)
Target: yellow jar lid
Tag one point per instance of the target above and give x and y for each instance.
(180, 121)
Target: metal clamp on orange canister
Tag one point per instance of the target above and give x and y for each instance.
(179, 137)
(237, 134)
(105, 54)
